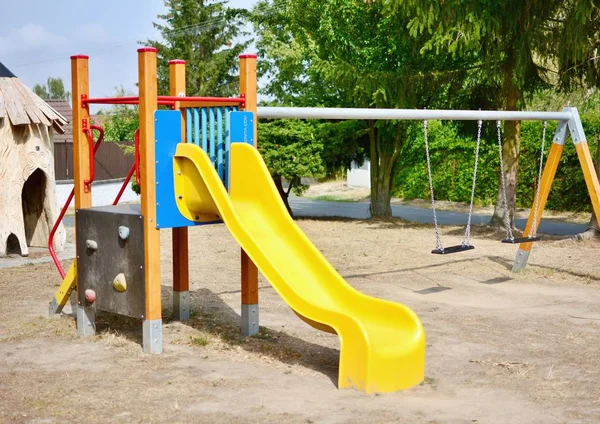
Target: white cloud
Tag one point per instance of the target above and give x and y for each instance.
(28, 38)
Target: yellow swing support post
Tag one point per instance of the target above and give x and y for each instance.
(585, 159)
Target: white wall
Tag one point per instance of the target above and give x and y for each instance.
(359, 176)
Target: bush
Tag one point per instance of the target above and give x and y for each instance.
(452, 149)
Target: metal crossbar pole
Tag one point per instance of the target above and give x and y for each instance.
(407, 114)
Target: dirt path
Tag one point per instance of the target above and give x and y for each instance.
(501, 348)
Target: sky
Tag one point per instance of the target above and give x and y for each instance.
(37, 37)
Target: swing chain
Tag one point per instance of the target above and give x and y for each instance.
(438, 238)
(533, 230)
(467, 237)
(509, 233)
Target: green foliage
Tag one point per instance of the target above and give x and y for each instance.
(53, 90)
(120, 123)
(291, 151)
(452, 160)
(204, 34)
(349, 53)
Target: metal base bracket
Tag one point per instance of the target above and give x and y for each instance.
(54, 308)
(521, 260)
(181, 305)
(153, 336)
(249, 319)
(86, 321)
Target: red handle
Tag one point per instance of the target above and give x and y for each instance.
(87, 183)
(86, 187)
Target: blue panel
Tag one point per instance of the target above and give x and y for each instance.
(204, 130)
(211, 120)
(167, 131)
(188, 125)
(220, 144)
(241, 127)
(196, 127)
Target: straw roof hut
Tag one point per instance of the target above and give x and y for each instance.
(28, 208)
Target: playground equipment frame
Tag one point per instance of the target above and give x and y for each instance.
(83, 154)
(568, 119)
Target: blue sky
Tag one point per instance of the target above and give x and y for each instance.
(37, 37)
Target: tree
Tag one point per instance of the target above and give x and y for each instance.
(348, 53)
(203, 33)
(120, 122)
(510, 40)
(291, 153)
(53, 90)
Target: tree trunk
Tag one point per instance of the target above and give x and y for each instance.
(510, 156)
(380, 177)
(283, 193)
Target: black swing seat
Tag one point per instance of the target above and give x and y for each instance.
(519, 240)
(452, 249)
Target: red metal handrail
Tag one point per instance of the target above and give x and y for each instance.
(161, 100)
(127, 179)
(93, 149)
(134, 168)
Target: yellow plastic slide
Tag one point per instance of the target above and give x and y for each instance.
(382, 343)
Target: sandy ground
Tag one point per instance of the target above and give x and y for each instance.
(501, 347)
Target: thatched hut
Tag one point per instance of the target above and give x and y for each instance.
(28, 208)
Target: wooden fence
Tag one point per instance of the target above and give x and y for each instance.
(111, 162)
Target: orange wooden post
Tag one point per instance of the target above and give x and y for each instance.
(152, 327)
(181, 273)
(250, 322)
(558, 144)
(80, 88)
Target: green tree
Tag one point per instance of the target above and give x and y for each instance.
(120, 122)
(349, 53)
(53, 90)
(291, 152)
(511, 42)
(204, 33)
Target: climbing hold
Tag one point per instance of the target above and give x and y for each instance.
(124, 232)
(90, 295)
(91, 244)
(119, 283)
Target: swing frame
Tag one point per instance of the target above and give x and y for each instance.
(568, 121)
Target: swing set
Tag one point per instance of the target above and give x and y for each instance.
(568, 121)
(510, 238)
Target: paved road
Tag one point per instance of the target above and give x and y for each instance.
(360, 210)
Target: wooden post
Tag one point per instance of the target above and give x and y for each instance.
(558, 144)
(250, 322)
(181, 274)
(152, 327)
(80, 88)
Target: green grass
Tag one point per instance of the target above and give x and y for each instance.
(198, 340)
(330, 198)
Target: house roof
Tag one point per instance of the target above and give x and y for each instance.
(22, 106)
(63, 107)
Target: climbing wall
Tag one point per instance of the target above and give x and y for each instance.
(110, 259)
